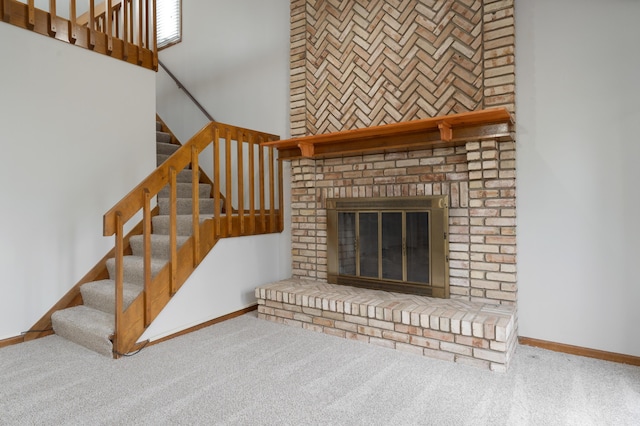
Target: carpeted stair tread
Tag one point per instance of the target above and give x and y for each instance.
(160, 248)
(163, 137)
(183, 190)
(101, 295)
(166, 148)
(161, 158)
(134, 268)
(185, 176)
(85, 326)
(185, 206)
(160, 224)
(92, 324)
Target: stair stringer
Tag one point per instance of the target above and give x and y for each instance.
(73, 297)
(140, 311)
(148, 305)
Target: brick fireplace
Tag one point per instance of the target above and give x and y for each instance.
(357, 64)
(479, 180)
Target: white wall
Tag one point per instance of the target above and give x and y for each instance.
(74, 141)
(223, 283)
(234, 58)
(578, 64)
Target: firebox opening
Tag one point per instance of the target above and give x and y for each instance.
(394, 244)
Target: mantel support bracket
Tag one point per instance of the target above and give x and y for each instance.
(446, 133)
(307, 149)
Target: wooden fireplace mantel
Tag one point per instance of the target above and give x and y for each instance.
(427, 133)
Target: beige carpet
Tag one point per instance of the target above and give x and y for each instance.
(251, 372)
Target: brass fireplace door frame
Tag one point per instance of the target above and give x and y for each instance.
(438, 209)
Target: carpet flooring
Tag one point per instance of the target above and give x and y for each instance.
(246, 371)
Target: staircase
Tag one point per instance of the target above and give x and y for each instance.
(92, 324)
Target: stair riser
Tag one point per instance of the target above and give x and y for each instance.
(101, 295)
(183, 190)
(166, 148)
(160, 158)
(159, 249)
(133, 272)
(86, 327)
(163, 137)
(185, 176)
(185, 205)
(183, 225)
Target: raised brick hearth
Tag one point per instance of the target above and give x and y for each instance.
(472, 333)
(395, 63)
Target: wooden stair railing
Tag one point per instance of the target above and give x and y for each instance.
(128, 32)
(243, 185)
(204, 178)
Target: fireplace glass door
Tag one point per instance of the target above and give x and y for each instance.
(392, 246)
(384, 245)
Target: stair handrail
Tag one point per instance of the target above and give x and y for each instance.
(131, 322)
(186, 91)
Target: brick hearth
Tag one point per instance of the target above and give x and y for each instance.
(478, 334)
(430, 60)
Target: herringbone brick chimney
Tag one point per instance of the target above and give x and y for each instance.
(361, 63)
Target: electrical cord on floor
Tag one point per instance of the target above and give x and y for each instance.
(132, 353)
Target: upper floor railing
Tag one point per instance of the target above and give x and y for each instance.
(123, 29)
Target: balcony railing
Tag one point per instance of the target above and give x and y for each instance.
(123, 29)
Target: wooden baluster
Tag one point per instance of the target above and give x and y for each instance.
(252, 186)
(280, 198)
(109, 27)
(146, 231)
(240, 167)
(216, 181)
(195, 206)
(92, 24)
(115, 17)
(173, 223)
(125, 29)
(228, 195)
(263, 222)
(146, 23)
(119, 253)
(131, 22)
(272, 193)
(73, 33)
(31, 11)
(140, 28)
(53, 27)
(155, 36)
(141, 45)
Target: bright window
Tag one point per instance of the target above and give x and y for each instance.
(169, 22)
